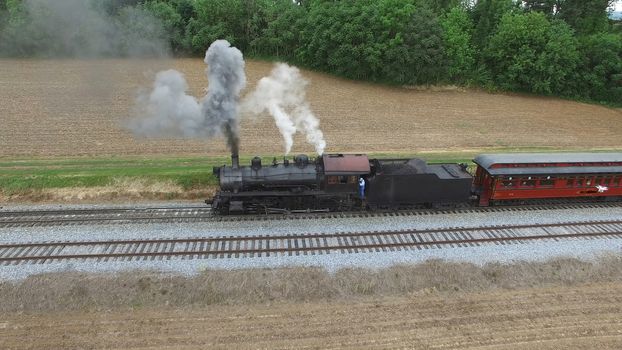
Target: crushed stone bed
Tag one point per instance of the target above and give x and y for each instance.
(537, 251)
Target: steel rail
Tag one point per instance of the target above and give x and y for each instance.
(171, 214)
(20, 252)
(309, 235)
(104, 219)
(35, 212)
(108, 215)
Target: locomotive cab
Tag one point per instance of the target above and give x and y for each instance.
(342, 172)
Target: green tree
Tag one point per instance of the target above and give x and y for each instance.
(531, 53)
(19, 36)
(140, 34)
(238, 21)
(175, 16)
(600, 70)
(281, 33)
(4, 15)
(457, 39)
(215, 19)
(16, 11)
(416, 54)
(389, 40)
(441, 6)
(548, 7)
(335, 38)
(585, 16)
(171, 21)
(113, 7)
(486, 16)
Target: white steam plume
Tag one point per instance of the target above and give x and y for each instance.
(168, 111)
(282, 94)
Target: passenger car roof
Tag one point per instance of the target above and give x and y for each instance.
(550, 163)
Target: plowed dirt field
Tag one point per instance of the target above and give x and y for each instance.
(584, 317)
(78, 107)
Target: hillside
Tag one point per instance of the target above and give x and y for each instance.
(78, 107)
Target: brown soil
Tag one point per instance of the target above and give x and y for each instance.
(561, 303)
(581, 317)
(74, 108)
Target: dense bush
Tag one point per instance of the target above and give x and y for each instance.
(556, 47)
(390, 40)
(530, 53)
(600, 70)
(458, 40)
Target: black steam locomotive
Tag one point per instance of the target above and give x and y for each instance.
(332, 182)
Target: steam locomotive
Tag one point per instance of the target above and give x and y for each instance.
(332, 182)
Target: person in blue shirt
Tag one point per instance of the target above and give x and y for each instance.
(362, 188)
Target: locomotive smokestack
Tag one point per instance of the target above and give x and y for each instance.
(235, 160)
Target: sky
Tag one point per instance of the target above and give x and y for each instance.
(618, 5)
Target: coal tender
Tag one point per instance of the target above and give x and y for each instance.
(402, 182)
(337, 182)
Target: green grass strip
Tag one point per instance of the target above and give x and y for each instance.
(19, 175)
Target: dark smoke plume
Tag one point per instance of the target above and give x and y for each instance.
(168, 111)
(226, 77)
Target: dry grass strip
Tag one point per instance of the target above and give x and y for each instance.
(137, 289)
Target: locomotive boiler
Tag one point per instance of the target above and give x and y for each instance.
(295, 176)
(302, 184)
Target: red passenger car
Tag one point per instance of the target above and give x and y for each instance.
(502, 177)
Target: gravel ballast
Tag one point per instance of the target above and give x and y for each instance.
(537, 251)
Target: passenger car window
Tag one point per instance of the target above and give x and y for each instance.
(547, 182)
(580, 182)
(608, 180)
(528, 183)
(507, 184)
(589, 181)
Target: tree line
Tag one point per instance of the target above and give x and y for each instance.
(566, 48)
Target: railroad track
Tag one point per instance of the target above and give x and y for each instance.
(39, 218)
(304, 244)
(28, 218)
